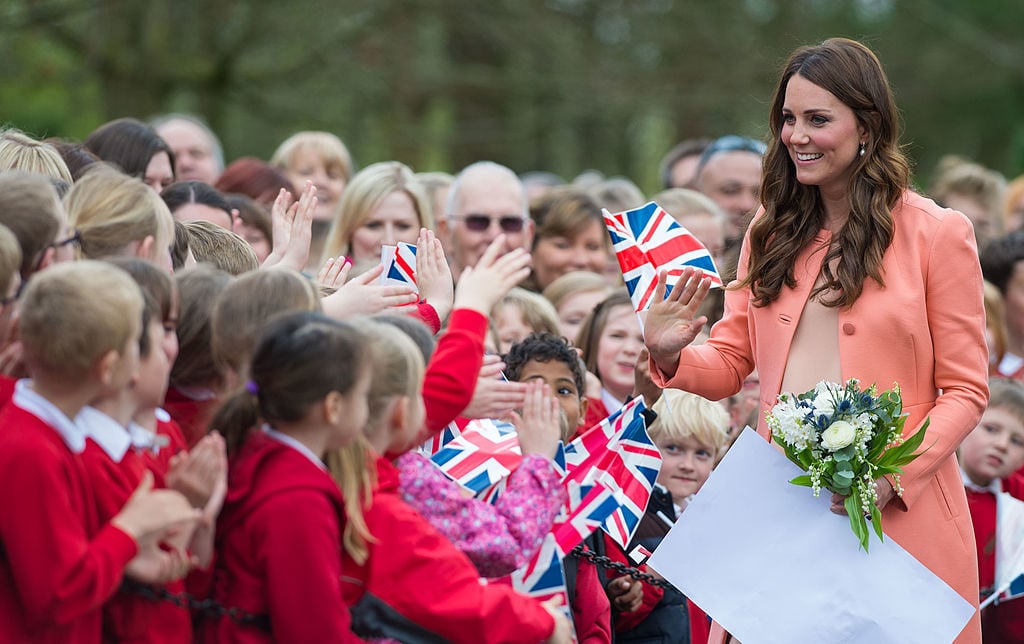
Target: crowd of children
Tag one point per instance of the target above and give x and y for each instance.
(208, 434)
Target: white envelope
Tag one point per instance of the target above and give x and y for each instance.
(771, 563)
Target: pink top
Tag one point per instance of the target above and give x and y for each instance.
(497, 538)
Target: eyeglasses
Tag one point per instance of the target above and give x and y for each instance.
(480, 223)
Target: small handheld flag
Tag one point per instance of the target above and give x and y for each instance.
(399, 265)
(648, 239)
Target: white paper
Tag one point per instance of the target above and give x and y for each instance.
(771, 563)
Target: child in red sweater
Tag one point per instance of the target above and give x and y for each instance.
(279, 533)
(403, 579)
(80, 330)
(988, 456)
(10, 286)
(118, 455)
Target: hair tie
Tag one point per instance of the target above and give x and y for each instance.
(252, 388)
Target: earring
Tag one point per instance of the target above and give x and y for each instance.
(862, 149)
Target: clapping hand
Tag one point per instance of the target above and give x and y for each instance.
(538, 426)
(292, 226)
(672, 322)
(433, 275)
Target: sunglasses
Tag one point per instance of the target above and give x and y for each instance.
(480, 223)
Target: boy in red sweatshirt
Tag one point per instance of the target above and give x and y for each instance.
(988, 456)
(80, 326)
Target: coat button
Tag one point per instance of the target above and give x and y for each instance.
(848, 328)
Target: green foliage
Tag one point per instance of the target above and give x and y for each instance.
(562, 85)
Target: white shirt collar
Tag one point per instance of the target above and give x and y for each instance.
(995, 487)
(162, 415)
(1010, 364)
(30, 400)
(143, 439)
(294, 444)
(610, 402)
(112, 437)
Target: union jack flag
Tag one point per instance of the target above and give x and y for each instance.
(648, 239)
(484, 453)
(617, 456)
(443, 437)
(542, 578)
(491, 493)
(399, 264)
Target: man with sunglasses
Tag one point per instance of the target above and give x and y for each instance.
(486, 200)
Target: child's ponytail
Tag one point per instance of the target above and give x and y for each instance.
(236, 416)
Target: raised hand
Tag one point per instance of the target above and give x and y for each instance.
(494, 397)
(433, 275)
(334, 273)
(480, 287)
(539, 426)
(362, 295)
(292, 227)
(671, 322)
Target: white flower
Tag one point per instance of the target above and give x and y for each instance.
(825, 395)
(787, 424)
(838, 435)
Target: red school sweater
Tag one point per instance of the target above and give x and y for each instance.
(1002, 622)
(416, 584)
(279, 548)
(116, 469)
(59, 562)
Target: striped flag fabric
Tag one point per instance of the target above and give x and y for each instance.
(483, 454)
(616, 458)
(399, 264)
(443, 437)
(542, 578)
(646, 240)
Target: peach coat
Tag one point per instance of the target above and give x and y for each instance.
(923, 329)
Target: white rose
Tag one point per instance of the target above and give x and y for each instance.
(838, 435)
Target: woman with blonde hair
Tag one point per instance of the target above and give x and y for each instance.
(384, 204)
(319, 157)
(115, 214)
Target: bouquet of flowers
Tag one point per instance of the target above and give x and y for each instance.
(845, 438)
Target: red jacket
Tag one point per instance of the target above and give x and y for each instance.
(1002, 622)
(279, 548)
(59, 563)
(451, 375)
(192, 416)
(416, 584)
(6, 390)
(116, 468)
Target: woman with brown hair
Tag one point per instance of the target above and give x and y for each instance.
(846, 273)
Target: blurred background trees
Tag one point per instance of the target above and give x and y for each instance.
(560, 85)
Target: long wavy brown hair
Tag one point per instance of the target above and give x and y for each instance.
(794, 212)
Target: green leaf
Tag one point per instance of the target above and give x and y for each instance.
(876, 522)
(846, 475)
(857, 522)
(803, 479)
